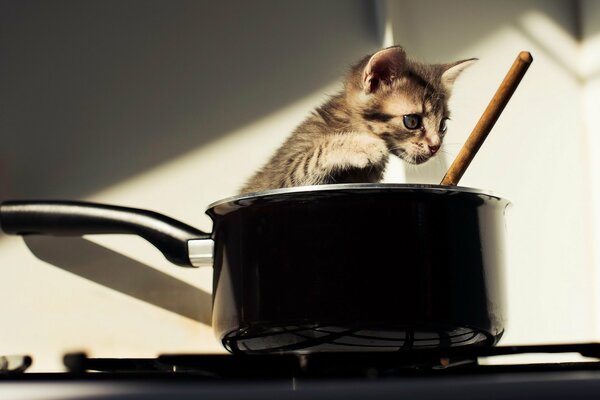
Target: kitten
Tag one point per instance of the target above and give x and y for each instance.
(389, 104)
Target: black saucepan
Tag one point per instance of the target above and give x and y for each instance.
(326, 268)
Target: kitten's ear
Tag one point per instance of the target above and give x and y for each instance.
(453, 71)
(383, 67)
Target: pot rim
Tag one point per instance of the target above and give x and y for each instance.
(353, 187)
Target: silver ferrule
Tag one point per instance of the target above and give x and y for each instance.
(201, 252)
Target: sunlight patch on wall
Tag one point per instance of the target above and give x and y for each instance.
(184, 187)
(189, 183)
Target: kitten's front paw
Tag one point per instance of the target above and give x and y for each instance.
(358, 150)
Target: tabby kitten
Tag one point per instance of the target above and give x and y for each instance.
(389, 104)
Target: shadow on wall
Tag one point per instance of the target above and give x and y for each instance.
(95, 92)
(456, 29)
(123, 274)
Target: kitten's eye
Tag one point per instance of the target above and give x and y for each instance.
(413, 121)
(443, 126)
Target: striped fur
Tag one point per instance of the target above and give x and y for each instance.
(349, 138)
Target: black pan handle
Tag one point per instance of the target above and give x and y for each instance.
(72, 218)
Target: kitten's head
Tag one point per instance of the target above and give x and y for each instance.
(403, 101)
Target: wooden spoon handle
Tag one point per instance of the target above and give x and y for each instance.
(488, 119)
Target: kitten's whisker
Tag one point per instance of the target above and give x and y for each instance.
(451, 155)
(444, 149)
(441, 163)
(454, 145)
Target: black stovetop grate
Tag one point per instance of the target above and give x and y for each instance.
(315, 365)
(343, 365)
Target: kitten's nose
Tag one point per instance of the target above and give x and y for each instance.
(434, 148)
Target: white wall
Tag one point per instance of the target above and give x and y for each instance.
(171, 105)
(536, 155)
(590, 13)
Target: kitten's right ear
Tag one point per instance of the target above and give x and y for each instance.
(383, 67)
(452, 71)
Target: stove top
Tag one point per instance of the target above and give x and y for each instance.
(451, 373)
(332, 365)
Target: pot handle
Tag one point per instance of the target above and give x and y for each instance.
(73, 218)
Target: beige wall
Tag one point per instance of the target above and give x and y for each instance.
(171, 105)
(590, 72)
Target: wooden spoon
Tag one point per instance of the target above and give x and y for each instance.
(488, 119)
